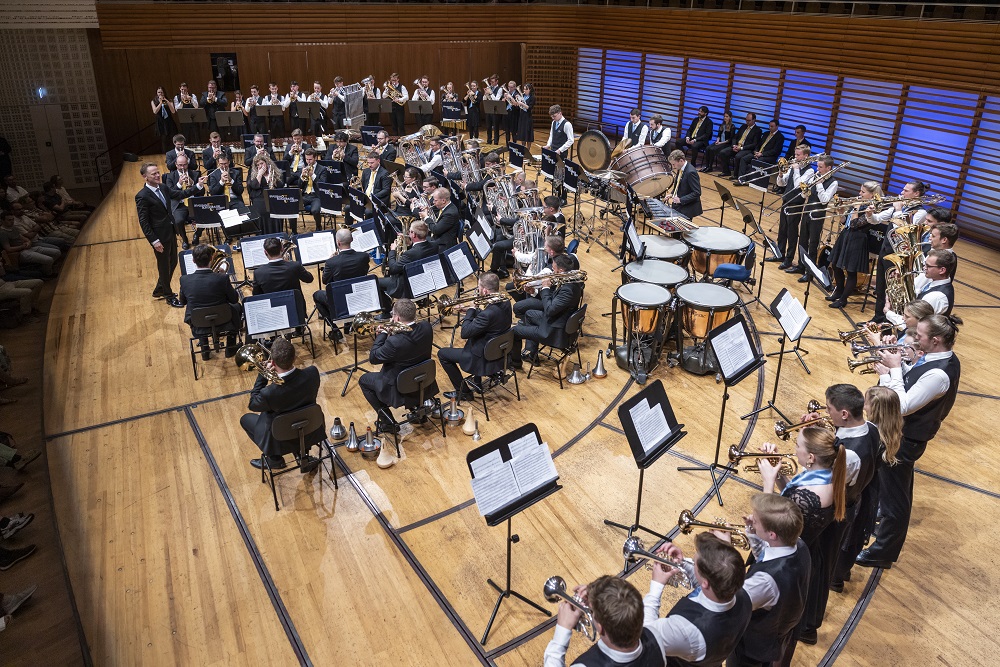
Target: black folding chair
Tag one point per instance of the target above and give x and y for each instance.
(574, 326)
(296, 425)
(214, 318)
(497, 348)
(416, 380)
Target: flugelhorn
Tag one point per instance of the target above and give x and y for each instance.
(789, 464)
(633, 550)
(556, 279)
(255, 356)
(554, 590)
(687, 523)
(864, 330)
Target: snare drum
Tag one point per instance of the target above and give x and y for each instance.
(705, 306)
(656, 272)
(712, 246)
(662, 247)
(646, 169)
(643, 307)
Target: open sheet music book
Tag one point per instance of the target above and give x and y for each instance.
(509, 472)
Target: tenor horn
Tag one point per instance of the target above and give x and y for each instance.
(554, 590)
(255, 356)
(686, 522)
(789, 464)
(633, 550)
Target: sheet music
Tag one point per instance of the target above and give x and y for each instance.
(495, 489)
(316, 248)
(430, 279)
(650, 424)
(480, 243)
(363, 297)
(189, 265)
(819, 275)
(364, 241)
(485, 225)
(523, 444)
(534, 468)
(792, 316)
(253, 253)
(262, 317)
(459, 263)
(732, 349)
(488, 464)
(232, 218)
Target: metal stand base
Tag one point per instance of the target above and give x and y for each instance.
(506, 592)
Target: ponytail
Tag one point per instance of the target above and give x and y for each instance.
(839, 483)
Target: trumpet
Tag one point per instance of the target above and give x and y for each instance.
(556, 279)
(789, 464)
(255, 356)
(633, 550)
(365, 325)
(858, 349)
(446, 306)
(784, 431)
(686, 522)
(853, 364)
(865, 329)
(554, 590)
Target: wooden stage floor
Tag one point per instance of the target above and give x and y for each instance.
(176, 555)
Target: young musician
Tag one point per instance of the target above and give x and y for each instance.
(324, 103)
(934, 286)
(163, 109)
(850, 252)
(471, 102)
(788, 225)
(561, 133)
(658, 134)
(179, 141)
(228, 181)
(306, 179)
(397, 91)
(423, 92)
(295, 152)
(238, 105)
(342, 151)
(257, 125)
(901, 212)
(290, 102)
(636, 132)
(525, 121)
(185, 100)
(383, 148)
(277, 127)
(338, 104)
(511, 97)
(205, 288)
(263, 175)
(257, 147)
(819, 191)
(211, 154)
(494, 91)
(213, 100)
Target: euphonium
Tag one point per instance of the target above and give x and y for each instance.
(254, 355)
(446, 306)
(789, 464)
(686, 522)
(554, 590)
(556, 279)
(633, 550)
(220, 261)
(287, 247)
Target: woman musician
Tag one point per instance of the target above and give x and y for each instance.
(525, 123)
(163, 109)
(238, 105)
(850, 252)
(404, 195)
(264, 175)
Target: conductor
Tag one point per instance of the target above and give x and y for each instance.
(154, 208)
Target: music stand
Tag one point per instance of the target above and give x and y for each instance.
(426, 276)
(369, 134)
(269, 111)
(379, 105)
(813, 272)
(509, 475)
(192, 116)
(481, 238)
(314, 248)
(517, 153)
(738, 358)
(310, 111)
(205, 212)
(494, 107)
(252, 249)
(349, 298)
(230, 119)
(792, 317)
(420, 107)
(270, 314)
(727, 198)
(651, 430)
(768, 244)
(356, 204)
(283, 203)
(331, 198)
(451, 115)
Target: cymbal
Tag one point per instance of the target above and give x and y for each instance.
(609, 173)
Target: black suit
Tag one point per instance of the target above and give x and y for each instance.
(279, 275)
(208, 157)
(350, 159)
(215, 186)
(179, 194)
(445, 226)
(204, 288)
(769, 148)
(251, 153)
(220, 104)
(701, 137)
(172, 158)
(792, 145)
(156, 222)
(395, 284)
(548, 325)
(382, 188)
(290, 158)
(299, 390)
(731, 156)
(396, 353)
(388, 153)
(689, 192)
(310, 200)
(478, 327)
(346, 264)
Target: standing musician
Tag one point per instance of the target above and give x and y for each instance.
(205, 288)
(163, 109)
(257, 125)
(494, 92)
(280, 274)
(306, 179)
(179, 140)
(185, 100)
(371, 93)
(212, 100)
(443, 220)
(561, 133)
(397, 91)
(512, 98)
(547, 325)
(298, 389)
(344, 264)
(154, 208)
(338, 104)
(294, 152)
(182, 184)
(396, 353)
(934, 286)
(290, 103)
(776, 581)
(698, 135)
(849, 256)
(525, 120)
(685, 196)
(342, 151)
(277, 128)
(376, 182)
(788, 225)
(658, 134)
(424, 93)
(211, 154)
(237, 105)
(940, 219)
(324, 103)
(383, 148)
(766, 153)
(479, 326)
(471, 101)
(899, 213)
(395, 284)
(256, 148)
(819, 191)
(636, 132)
(264, 175)
(926, 394)
(744, 144)
(227, 180)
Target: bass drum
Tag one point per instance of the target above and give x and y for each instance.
(593, 150)
(646, 169)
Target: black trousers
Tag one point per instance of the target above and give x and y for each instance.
(788, 235)
(398, 116)
(451, 358)
(493, 128)
(166, 263)
(896, 501)
(741, 160)
(880, 285)
(369, 383)
(725, 159)
(180, 215)
(522, 307)
(712, 152)
(809, 232)
(499, 254)
(321, 299)
(311, 203)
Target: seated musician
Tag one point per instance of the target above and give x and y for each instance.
(433, 155)
(185, 182)
(701, 628)
(205, 288)
(306, 179)
(443, 220)
(658, 134)
(776, 581)
(263, 175)
(551, 205)
(346, 263)
(295, 151)
(798, 141)
(383, 148)
(280, 274)
(298, 390)
(395, 284)
(936, 215)
(547, 325)
(403, 197)
(745, 143)
(396, 353)
(210, 155)
(766, 152)
(257, 147)
(376, 182)
(342, 151)
(698, 135)
(478, 327)
(227, 180)
(179, 149)
(934, 286)
(685, 196)
(554, 247)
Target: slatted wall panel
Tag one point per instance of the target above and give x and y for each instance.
(661, 88)
(755, 89)
(977, 208)
(866, 121)
(707, 84)
(622, 83)
(589, 76)
(932, 140)
(807, 98)
(552, 70)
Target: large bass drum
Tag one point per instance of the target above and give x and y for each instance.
(593, 150)
(646, 169)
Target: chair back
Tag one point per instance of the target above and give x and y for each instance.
(499, 346)
(298, 423)
(210, 317)
(573, 245)
(575, 321)
(415, 379)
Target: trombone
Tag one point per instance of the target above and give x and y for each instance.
(556, 279)
(633, 550)
(806, 186)
(780, 167)
(789, 464)
(554, 590)
(686, 522)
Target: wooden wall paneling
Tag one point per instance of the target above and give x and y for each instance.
(891, 157)
(117, 96)
(967, 157)
(286, 65)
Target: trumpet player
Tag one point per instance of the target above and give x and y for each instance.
(479, 326)
(383, 148)
(258, 147)
(227, 180)
(423, 92)
(295, 151)
(397, 91)
(376, 183)
(403, 196)
(273, 98)
(324, 102)
(257, 125)
(342, 151)
(290, 103)
(182, 184)
(238, 105)
(204, 288)
(305, 179)
(179, 142)
(212, 152)
(163, 109)
(473, 97)
(337, 104)
(185, 100)
(213, 100)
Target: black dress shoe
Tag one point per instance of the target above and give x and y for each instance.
(839, 303)
(7, 491)
(158, 294)
(864, 559)
(784, 266)
(230, 351)
(808, 636)
(185, 245)
(805, 278)
(502, 273)
(308, 464)
(833, 297)
(772, 259)
(837, 586)
(173, 302)
(530, 357)
(274, 462)
(464, 396)
(795, 268)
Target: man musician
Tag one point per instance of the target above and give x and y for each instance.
(479, 325)
(185, 100)
(744, 143)
(179, 141)
(798, 139)
(295, 152)
(423, 92)
(493, 92)
(788, 225)
(685, 195)
(698, 135)
(397, 91)
(324, 103)
(256, 147)
(395, 284)
(433, 155)
(342, 151)
(658, 134)
(900, 213)
(183, 184)
(205, 288)
(254, 100)
(548, 325)
(273, 98)
(766, 152)
(211, 154)
(344, 264)
(636, 132)
(228, 181)
(337, 100)
(554, 246)
(376, 182)
(443, 220)
(306, 179)
(280, 274)
(820, 189)
(383, 148)
(154, 209)
(290, 103)
(213, 100)
(561, 133)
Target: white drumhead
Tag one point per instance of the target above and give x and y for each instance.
(707, 295)
(717, 239)
(660, 247)
(643, 294)
(656, 272)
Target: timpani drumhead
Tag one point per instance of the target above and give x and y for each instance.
(593, 150)
(707, 295)
(661, 247)
(717, 239)
(643, 295)
(656, 272)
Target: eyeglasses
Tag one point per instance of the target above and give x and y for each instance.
(931, 266)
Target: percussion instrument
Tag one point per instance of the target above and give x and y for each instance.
(593, 150)
(661, 247)
(705, 306)
(646, 169)
(656, 272)
(644, 309)
(712, 246)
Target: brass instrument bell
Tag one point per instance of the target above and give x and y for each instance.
(789, 464)
(687, 523)
(554, 590)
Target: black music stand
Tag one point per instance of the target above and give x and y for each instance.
(196, 117)
(813, 272)
(727, 198)
(350, 298)
(205, 213)
(310, 110)
(494, 108)
(793, 320)
(269, 111)
(517, 153)
(420, 107)
(499, 458)
(230, 119)
(274, 313)
(651, 430)
(738, 358)
(768, 244)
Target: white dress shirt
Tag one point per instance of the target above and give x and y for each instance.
(15, 193)
(643, 133)
(568, 129)
(824, 191)
(797, 175)
(937, 300)
(675, 635)
(555, 652)
(664, 138)
(885, 216)
(852, 459)
(931, 385)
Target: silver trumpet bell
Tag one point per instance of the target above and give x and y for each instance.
(600, 371)
(633, 550)
(554, 590)
(337, 431)
(576, 377)
(352, 440)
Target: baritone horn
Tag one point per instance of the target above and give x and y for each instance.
(556, 279)
(633, 550)
(686, 522)
(554, 590)
(255, 356)
(789, 464)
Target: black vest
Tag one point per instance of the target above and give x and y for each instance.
(650, 656)
(948, 290)
(636, 133)
(655, 136)
(866, 447)
(293, 105)
(722, 631)
(923, 425)
(559, 135)
(768, 628)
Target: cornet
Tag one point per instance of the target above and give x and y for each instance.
(554, 590)
(789, 464)
(863, 330)
(853, 364)
(633, 550)
(858, 349)
(784, 431)
(686, 522)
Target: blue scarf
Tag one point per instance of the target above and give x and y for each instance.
(809, 478)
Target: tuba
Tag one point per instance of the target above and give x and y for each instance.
(686, 522)
(255, 356)
(789, 465)
(554, 590)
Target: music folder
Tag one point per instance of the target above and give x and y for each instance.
(549, 161)
(365, 236)
(270, 313)
(426, 275)
(649, 424)
(790, 314)
(252, 248)
(734, 349)
(205, 210)
(451, 111)
(352, 296)
(460, 264)
(572, 178)
(517, 153)
(315, 247)
(369, 134)
(480, 236)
